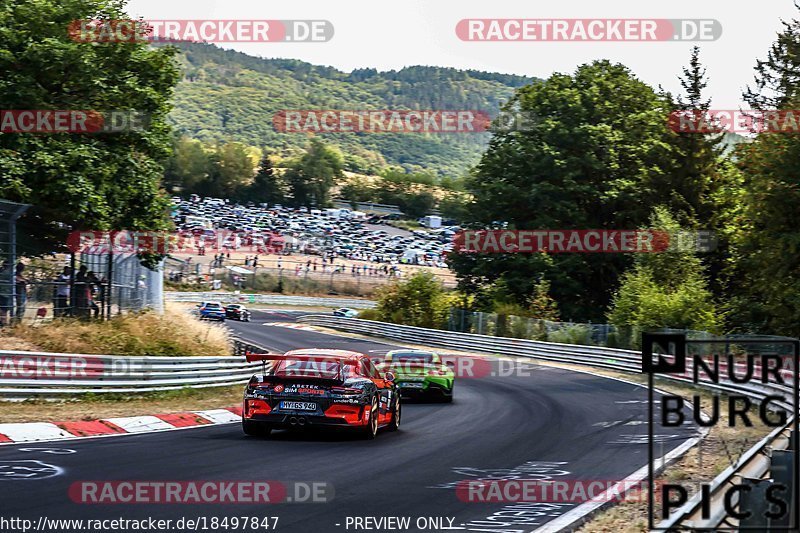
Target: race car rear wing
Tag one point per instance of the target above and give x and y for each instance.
(253, 357)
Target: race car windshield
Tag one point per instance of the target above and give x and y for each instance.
(312, 368)
(412, 357)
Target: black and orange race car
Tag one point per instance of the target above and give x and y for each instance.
(320, 388)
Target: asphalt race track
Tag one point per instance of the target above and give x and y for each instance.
(541, 423)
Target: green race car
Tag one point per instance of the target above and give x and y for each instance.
(420, 374)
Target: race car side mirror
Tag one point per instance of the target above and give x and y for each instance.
(389, 377)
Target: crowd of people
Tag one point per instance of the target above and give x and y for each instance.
(82, 295)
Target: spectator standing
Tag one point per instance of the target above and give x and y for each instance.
(92, 286)
(80, 290)
(61, 293)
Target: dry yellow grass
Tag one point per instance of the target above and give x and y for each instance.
(9, 342)
(174, 333)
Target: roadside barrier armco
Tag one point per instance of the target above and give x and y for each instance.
(25, 375)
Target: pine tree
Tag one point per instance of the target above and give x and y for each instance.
(778, 77)
(697, 175)
(266, 186)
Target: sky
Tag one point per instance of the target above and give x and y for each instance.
(392, 35)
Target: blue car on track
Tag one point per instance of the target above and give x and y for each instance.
(212, 311)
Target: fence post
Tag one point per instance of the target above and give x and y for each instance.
(782, 470)
(754, 503)
(109, 284)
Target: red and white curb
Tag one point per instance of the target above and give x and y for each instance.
(106, 427)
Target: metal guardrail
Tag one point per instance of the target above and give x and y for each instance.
(755, 463)
(752, 464)
(272, 299)
(28, 375)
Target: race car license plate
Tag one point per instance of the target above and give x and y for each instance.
(412, 385)
(299, 406)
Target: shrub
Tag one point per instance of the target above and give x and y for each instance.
(577, 334)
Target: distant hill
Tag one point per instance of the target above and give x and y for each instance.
(229, 95)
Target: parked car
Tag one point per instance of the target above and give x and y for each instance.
(237, 312)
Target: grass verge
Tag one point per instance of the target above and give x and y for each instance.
(175, 333)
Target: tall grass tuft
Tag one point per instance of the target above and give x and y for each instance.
(174, 333)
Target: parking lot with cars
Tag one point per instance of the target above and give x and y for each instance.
(215, 225)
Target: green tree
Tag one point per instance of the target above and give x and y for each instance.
(666, 289)
(311, 177)
(704, 180)
(764, 272)
(592, 156)
(692, 185)
(82, 181)
(541, 305)
(234, 170)
(777, 78)
(188, 166)
(266, 186)
(417, 301)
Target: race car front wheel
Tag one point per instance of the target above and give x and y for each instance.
(371, 429)
(256, 429)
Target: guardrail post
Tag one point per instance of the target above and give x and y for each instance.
(754, 502)
(782, 470)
